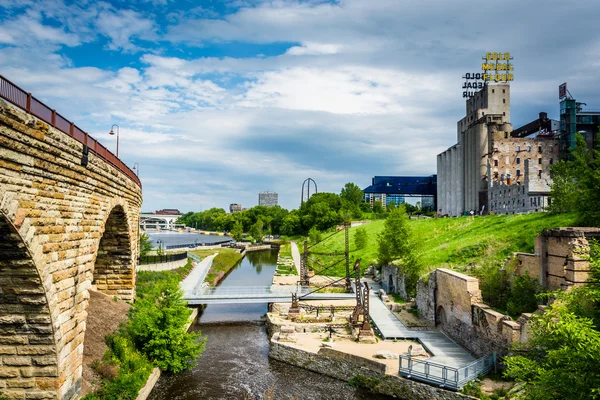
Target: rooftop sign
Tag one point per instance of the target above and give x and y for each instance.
(496, 67)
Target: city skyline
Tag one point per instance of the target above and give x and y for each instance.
(216, 100)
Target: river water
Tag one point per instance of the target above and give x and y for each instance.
(235, 364)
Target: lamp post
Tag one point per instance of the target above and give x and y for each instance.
(112, 132)
(136, 168)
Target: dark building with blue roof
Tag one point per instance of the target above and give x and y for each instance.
(395, 189)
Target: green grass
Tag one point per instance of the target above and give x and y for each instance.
(453, 242)
(285, 250)
(222, 263)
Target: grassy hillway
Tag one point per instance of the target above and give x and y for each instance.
(453, 242)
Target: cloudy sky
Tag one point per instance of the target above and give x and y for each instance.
(220, 99)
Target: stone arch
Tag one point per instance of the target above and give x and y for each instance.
(391, 287)
(440, 316)
(27, 338)
(114, 267)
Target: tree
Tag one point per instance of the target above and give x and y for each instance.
(237, 231)
(576, 182)
(361, 238)
(145, 244)
(256, 231)
(157, 327)
(352, 193)
(378, 207)
(395, 243)
(561, 359)
(291, 224)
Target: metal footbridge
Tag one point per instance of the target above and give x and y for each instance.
(258, 294)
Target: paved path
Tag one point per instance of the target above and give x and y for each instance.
(296, 256)
(196, 277)
(445, 351)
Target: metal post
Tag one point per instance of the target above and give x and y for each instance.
(347, 254)
(304, 280)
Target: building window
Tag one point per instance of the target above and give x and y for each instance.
(518, 172)
(539, 173)
(528, 149)
(518, 148)
(507, 160)
(539, 149)
(505, 135)
(549, 201)
(503, 90)
(523, 193)
(504, 113)
(504, 101)
(551, 161)
(540, 161)
(496, 174)
(518, 160)
(495, 163)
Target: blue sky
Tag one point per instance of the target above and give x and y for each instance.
(218, 100)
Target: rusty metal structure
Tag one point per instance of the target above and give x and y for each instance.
(358, 309)
(24, 100)
(304, 278)
(347, 256)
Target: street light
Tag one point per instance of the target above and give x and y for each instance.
(112, 132)
(136, 168)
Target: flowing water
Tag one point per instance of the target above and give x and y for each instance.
(235, 364)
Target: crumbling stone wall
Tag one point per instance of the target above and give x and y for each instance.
(454, 302)
(561, 258)
(62, 226)
(393, 280)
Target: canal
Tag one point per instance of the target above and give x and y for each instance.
(235, 364)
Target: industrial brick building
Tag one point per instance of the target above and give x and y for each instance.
(462, 169)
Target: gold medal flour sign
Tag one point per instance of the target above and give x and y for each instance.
(496, 67)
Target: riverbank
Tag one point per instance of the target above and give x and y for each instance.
(222, 264)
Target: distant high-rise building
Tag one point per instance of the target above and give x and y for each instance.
(268, 199)
(234, 207)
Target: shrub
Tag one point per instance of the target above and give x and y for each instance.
(158, 328)
(361, 238)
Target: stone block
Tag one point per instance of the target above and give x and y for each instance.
(9, 372)
(385, 354)
(16, 361)
(20, 383)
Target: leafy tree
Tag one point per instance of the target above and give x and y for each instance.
(361, 238)
(378, 207)
(315, 235)
(523, 293)
(145, 244)
(291, 224)
(561, 359)
(237, 231)
(352, 193)
(158, 327)
(256, 231)
(396, 242)
(576, 182)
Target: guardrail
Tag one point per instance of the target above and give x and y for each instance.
(195, 244)
(442, 375)
(164, 258)
(24, 100)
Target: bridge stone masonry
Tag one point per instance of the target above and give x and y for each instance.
(69, 221)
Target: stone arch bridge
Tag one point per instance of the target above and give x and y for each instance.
(69, 221)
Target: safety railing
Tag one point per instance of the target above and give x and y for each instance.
(163, 258)
(442, 375)
(196, 244)
(24, 100)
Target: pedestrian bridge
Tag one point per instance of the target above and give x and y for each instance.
(258, 294)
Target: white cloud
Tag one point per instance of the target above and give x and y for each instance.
(123, 26)
(314, 49)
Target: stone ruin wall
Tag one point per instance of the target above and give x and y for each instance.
(453, 301)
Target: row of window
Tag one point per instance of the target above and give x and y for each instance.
(518, 161)
(533, 202)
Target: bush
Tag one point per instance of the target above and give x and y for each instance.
(523, 295)
(315, 235)
(361, 238)
(158, 328)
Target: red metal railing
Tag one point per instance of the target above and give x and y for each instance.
(20, 98)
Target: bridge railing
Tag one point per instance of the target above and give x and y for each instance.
(163, 258)
(442, 375)
(24, 100)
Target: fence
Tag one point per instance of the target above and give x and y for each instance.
(20, 98)
(194, 245)
(442, 375)
(164, 258)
